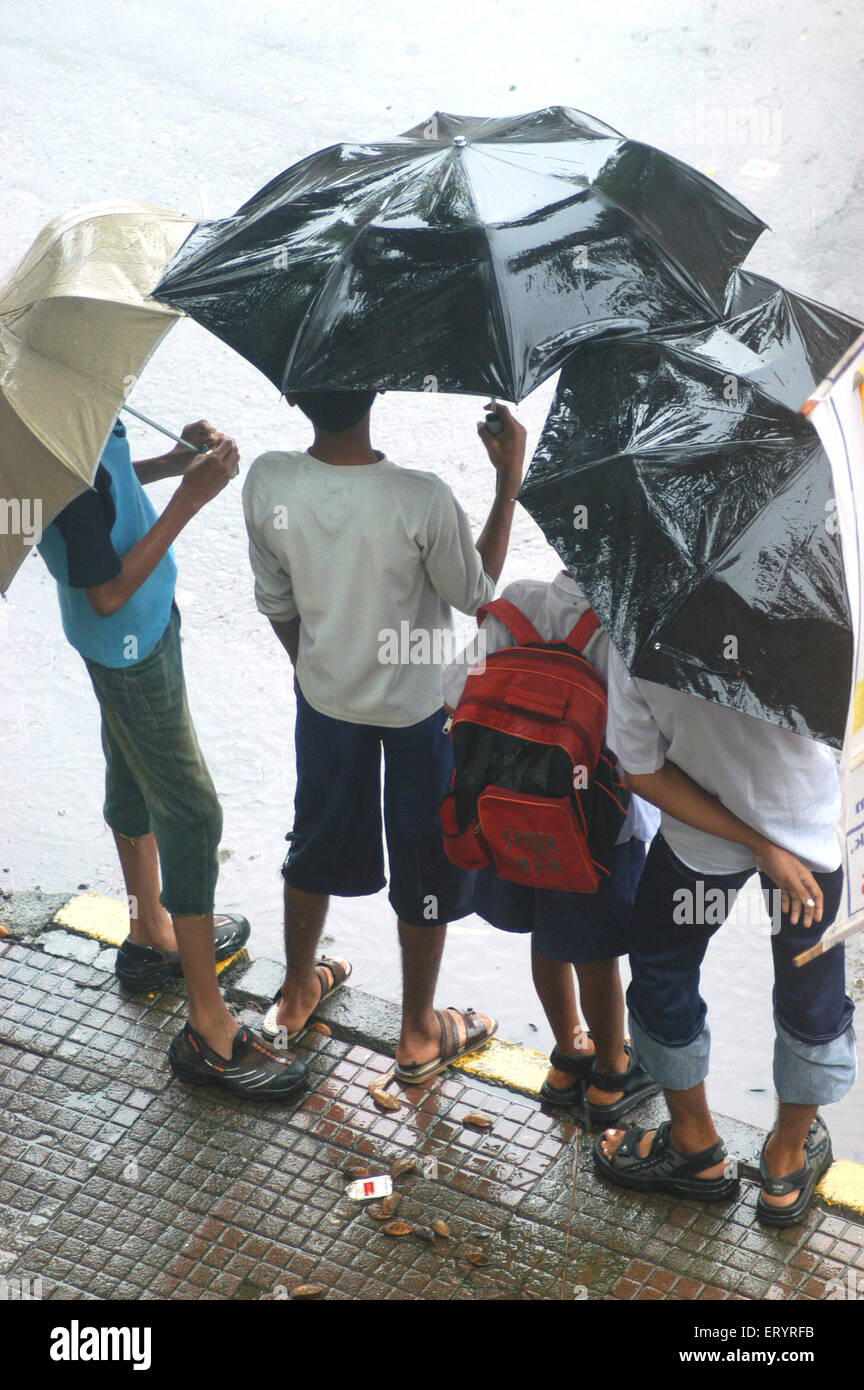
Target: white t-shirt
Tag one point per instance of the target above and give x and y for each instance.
(373, 558)
(553, 609)
(779, 783)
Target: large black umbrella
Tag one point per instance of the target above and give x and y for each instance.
(467, 255)
(678, 484)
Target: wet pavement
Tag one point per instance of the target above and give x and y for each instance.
(118, 1182)
(194, 107)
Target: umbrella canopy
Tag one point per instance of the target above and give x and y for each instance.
(695, 507)
(797, 339)
(469, 255)
(76, 328)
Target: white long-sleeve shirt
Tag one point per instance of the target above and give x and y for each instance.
(782, 784)
(373, 558)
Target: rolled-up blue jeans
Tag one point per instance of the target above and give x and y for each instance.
(814, 1049)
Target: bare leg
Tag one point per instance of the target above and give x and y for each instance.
(420, 1038)
(554, 983)
(602, 1002)
(603, 1006)
(692, 1128)
(208, 1012)
(301, 991)
(422, 949)
(150, 925)
(784, 1152)
(192, 936)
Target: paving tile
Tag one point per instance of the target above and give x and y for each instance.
(118, 1182)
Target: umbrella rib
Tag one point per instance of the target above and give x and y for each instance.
(656, 451)
(147, 303)
(500, 314)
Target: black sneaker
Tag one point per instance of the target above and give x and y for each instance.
(255, 1070)
(142, 969)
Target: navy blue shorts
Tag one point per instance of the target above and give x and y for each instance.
(336, 846)
(575, 927)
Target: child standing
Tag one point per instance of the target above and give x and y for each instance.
(348, 549)
(581, 931)
(111, 557)
(737, 794)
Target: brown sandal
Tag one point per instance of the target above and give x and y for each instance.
(476, 1036)
(272, 1031)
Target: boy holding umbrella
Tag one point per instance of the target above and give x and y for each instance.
(111, 557)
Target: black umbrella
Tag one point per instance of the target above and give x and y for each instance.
(467, 255)
(693, 504)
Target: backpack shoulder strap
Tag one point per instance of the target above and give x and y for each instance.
(584, 630)
(515, 622)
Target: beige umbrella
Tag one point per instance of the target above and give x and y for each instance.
(77, 325)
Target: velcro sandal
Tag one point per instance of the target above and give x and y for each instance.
(817, 1157)
(634, 1082)
(664, 1169)
(577, 1064)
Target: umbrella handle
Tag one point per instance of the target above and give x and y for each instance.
(494, 423)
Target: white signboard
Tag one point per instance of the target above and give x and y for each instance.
(836, 410)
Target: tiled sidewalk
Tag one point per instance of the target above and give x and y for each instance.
(118, 1182)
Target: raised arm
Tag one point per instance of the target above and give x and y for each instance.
(202, 481)
(507, 454)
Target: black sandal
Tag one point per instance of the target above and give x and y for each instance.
(634, 1082)
(817, 1157)
(575, 1064)
(664, 1169)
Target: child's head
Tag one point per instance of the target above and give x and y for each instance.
(333, 411)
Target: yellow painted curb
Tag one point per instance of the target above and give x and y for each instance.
(501, 1063)
(92, 914)
(507, 1064)
(520, 1069)
(843, 1185)
(107, 920)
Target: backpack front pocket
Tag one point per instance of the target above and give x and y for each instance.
(536, 840)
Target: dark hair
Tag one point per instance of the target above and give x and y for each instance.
(334, 410)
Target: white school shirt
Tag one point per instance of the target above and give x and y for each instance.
(553, 609)
(779, 783)
(373, 558)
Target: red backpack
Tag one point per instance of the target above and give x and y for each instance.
(534, 789)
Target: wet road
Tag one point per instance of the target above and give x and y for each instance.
(193, 106)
